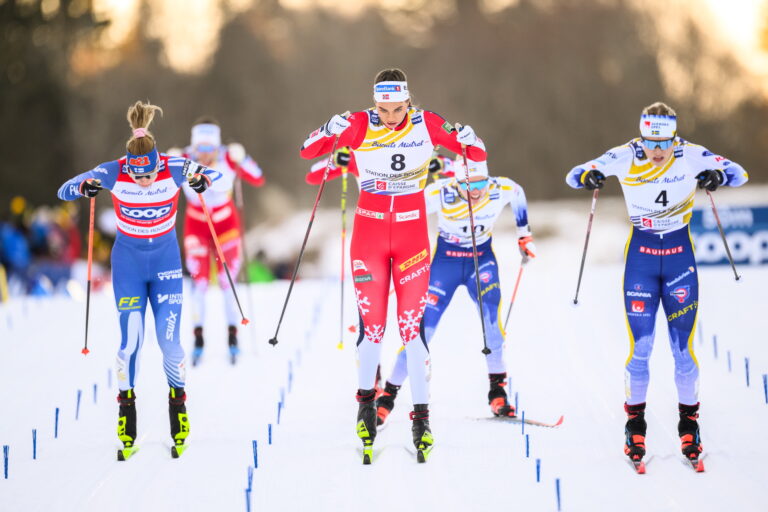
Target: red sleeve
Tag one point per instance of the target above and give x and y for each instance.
(443, 134)
(318, 143)
(315, 175)
(249, 171)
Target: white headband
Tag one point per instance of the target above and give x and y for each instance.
(206, 135)
(391, 91)
(658, 126)
(475, 169)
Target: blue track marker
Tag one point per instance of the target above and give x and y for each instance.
(95, 393)
(255, 458)
(557, 491)
(269, 432)
(516, 407)
(714, 344)
(56, 425)
(77, 405)
(5, 460)
(765, 386)
(527, 446)
(279, 409)
(746, 369)
(538, 470)
(34, 444)
(522, 424)
(248, 500)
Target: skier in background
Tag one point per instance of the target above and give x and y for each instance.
(146, 263)
(392, 144)
(453, 266)
(659, 173)
(232, 163)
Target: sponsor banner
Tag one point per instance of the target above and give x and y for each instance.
(661, 252)
(746, 229)
(368, 213)
(169, 274)
(364, 278)
(413, 260)
(412, 215)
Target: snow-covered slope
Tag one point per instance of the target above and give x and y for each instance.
(563, 360)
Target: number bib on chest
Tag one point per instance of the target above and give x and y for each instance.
(394, 162)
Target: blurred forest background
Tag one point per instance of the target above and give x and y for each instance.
(547, 84)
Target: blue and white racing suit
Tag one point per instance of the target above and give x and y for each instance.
(146, 263)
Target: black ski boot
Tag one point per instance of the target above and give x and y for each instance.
(386, 402)
(688, 429)
(197, 352)
(634, 432)
(497, 397)
(422, 435)
(177, 412)
(126, 423)
(234, 350)
(366, 421)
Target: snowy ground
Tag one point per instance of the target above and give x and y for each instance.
(563, 360)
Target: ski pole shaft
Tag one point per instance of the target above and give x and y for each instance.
(91, 218)
(340, 346)
(586, 243)
(220, 255)
(273, 340)
(241, 211)
(722, 235)
(514, 294)
(485, 350)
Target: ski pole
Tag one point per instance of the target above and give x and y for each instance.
(340, 346)
(722, 235)
(90, 264)
(586, 243)
(514, 294)
(485, 350)
(220, 255)
(241, 210)
(273, 340)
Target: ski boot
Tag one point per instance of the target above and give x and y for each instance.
(386, 402)
(197, 352)
(690, 437)
(366, 421)
(422, 435)
(497, 397)
(179, 421)
(634, 432)
(234, 350)
(126, 424)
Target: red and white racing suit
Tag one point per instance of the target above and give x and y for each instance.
(390, 239)
(198, 242)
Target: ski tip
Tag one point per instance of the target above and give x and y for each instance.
(245, 321)
(559, 421)
(366, 459)
(85, 351)
(699, 467)
(640, 468)
(421, 458)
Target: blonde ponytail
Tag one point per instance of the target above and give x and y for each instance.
(140, 116)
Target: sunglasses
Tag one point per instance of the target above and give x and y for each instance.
(661, 144)
(474, 185)
(148, 176)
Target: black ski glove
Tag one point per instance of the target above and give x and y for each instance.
(593, 179)
(710, 179)
(90, 187)
(199, 183)
(342, 158)
(435, 165)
